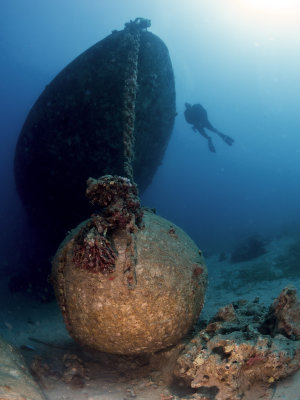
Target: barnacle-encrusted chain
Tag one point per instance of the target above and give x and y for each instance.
(133, 30)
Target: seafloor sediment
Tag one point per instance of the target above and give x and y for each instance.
(65, 372)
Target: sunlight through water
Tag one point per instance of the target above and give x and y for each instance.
(273, 5)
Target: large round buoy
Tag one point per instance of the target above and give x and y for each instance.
(128, 281)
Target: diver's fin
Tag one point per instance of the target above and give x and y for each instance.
(211, 146)
(227, 139)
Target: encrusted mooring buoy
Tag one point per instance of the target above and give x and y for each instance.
(127, 281)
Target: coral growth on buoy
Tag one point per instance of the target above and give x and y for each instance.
(121, 209)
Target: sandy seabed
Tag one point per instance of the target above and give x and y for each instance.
(37, 329)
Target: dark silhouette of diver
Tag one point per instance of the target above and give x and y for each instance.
(197, 116)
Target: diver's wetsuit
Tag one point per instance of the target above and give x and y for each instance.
(197, 116)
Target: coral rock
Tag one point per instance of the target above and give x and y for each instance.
(232, 355)
(252, 248)
(286, 309)
(16, 381)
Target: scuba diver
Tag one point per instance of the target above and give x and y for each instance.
(197, 116)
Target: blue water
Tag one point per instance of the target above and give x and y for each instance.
(240, 61)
